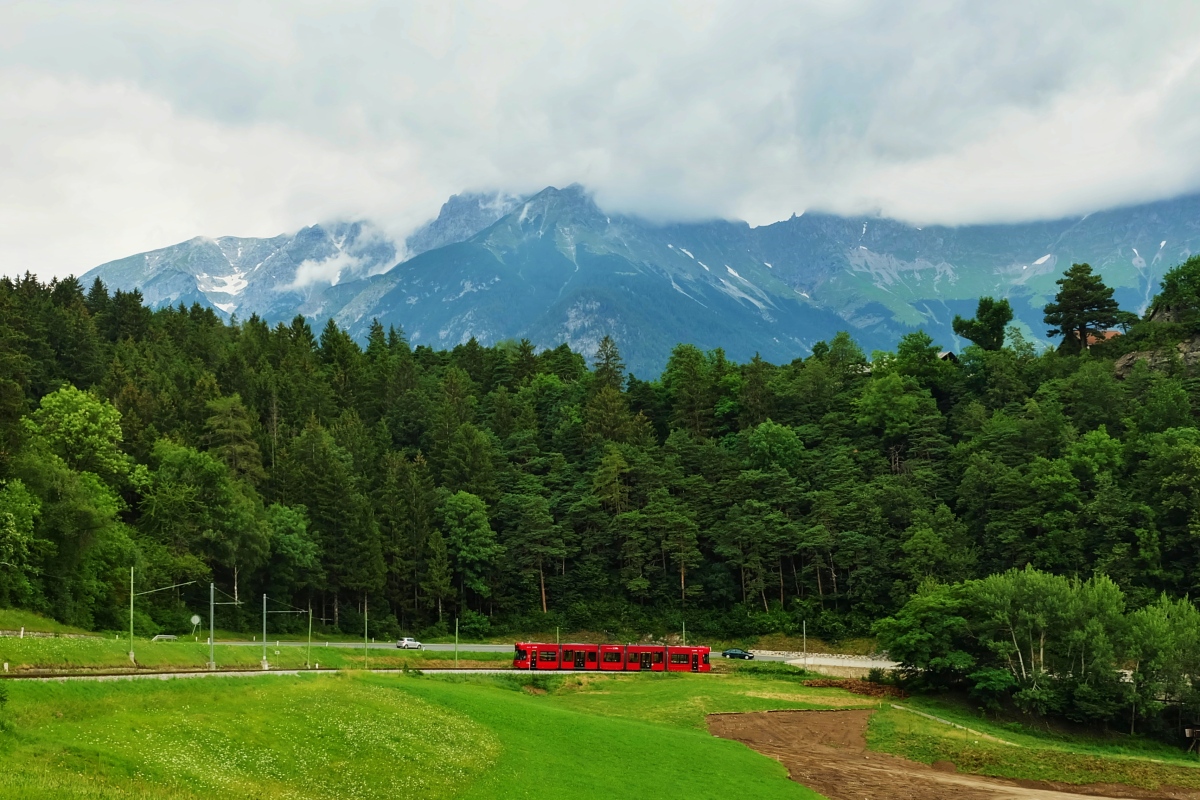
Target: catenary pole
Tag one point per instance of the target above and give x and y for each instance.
(364, 631)
(456, 642)
(131, 614)
(308, 656)
(805, 629)
(212, 658)
(264, 664)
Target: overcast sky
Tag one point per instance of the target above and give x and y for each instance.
(132, 125)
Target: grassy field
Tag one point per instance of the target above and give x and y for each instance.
(24, 655)
(685, 700)
(1039, 756)
(369, 736)
(13, 619)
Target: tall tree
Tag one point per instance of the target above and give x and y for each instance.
(231, 438)
(609, 368)
(1083, 305)
(987, 327)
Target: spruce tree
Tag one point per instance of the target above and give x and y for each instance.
(610, 369)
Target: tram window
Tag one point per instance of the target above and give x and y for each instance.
(706, 658)
(568, 655)
(679, 658)
(612, 657)
(591, 657)
(633, 657)
(547, 655)
(658, 657)
(522, 654)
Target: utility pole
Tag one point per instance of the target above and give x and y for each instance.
(212, 658)
(148, 591)
(131, 615)
(308, 655)
(364, 631)
(456, 642)
(804, 628)
(264, 660)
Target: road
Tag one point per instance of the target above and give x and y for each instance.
(508, 648)
(815, 660)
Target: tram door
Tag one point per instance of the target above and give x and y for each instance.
(580, 655)
(695, 662)
(646, 660)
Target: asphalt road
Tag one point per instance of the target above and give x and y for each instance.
(445, 648)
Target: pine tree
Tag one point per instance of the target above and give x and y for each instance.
(1083, 305)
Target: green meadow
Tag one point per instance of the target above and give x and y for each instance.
(376, 736)
(363, 735)
(1030, 753)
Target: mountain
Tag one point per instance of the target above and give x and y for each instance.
(275, 278)
(554, 267)
(461, 217)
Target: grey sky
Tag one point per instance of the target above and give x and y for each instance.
(129, 126)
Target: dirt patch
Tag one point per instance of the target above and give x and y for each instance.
(826, 751)
(860, 687)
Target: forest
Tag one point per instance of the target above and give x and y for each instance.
(514, 489)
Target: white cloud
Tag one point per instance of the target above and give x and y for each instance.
(328, 271)
(127, 126)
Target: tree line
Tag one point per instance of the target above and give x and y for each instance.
(515, 488)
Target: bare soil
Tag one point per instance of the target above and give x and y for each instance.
(827, 751)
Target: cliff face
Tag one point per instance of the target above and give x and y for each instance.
(1186, 353)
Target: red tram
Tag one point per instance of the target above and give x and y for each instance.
(611, 657)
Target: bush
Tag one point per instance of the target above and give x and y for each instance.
(474, 625)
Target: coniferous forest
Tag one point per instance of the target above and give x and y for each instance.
(512, 489)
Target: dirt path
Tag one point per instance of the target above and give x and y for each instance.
(826, 751)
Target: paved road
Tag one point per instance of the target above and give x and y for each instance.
(444, 648)
(827, 660)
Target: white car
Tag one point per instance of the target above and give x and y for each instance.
(409, 643)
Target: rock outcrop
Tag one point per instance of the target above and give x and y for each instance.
(1186, 353)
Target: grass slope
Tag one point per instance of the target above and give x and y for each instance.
(1040, 756)
(363, 736)
(14, 619)
(268, 737)
(684, 700)
(551, 748)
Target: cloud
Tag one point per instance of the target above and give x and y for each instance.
(127, 126)
(328, 271)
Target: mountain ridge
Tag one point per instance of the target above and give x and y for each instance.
(553, 267)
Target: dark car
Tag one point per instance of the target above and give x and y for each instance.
(737, 652)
